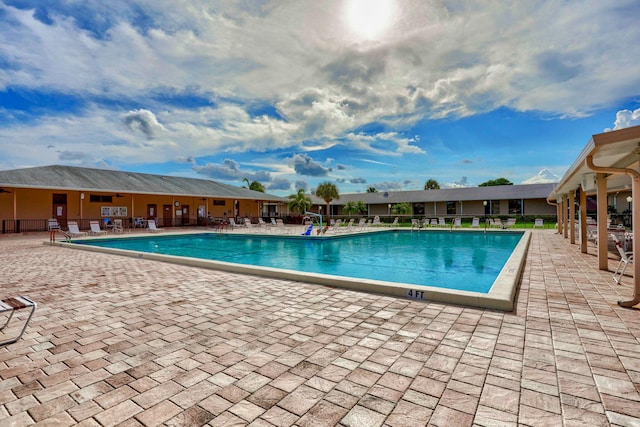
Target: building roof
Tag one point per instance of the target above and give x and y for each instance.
(498, 192)
(88, 179)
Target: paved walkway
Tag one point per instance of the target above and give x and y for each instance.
(119, 340)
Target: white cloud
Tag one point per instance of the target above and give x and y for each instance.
(461, 183)
(626, 118)
(543, 177)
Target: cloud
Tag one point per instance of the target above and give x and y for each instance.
(143, 121)
(230, 170)
(387, 186)
(305, 165)
(279, 184)
(358, 181)
(301, 184)
(542, 177)
(626, 118)
(461, 183)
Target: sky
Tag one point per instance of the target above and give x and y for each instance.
(293, 93)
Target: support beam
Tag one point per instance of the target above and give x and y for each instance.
(572, 216)
(583, 222)
(603, 237)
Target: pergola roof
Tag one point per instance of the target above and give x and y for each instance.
(615, 149)
(87, 179)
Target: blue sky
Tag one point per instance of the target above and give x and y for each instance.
(378, 93)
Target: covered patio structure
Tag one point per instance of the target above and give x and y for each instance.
(609, 163)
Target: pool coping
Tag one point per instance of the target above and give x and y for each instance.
(500, 296)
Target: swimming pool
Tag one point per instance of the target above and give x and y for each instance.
(419, 265)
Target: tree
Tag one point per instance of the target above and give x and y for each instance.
(403, 208)
(254, 185)
(494, 182)
(327, 191)
(372, 189)
(354, 207)
(431, 184)
(299, 202)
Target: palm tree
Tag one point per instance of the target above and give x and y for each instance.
(299, 202)
(401, 208)
(327, 191)
(354, 207)
(254, 185)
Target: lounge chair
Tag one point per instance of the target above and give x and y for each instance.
(376, 220)
(539, 222)
(456, 223)
(626, 258)
(12, 305)
(117, 226)
(394, 223)
(442, 222)
(415, 223)
(475, 222)
(152, 226)
(433, 222)
(74, 231)
(95, 228)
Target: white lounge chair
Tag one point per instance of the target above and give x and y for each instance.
(152, 226)
(394, 223)
(539, 222)
(475, 222)
(95, 228)
(74, 231)
(626, 258)
(442, 222)
(456, 223)
(117, 226)
(376, 220)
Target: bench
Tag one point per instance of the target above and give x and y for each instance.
(12, 305)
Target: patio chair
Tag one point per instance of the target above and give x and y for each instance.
(394, 223)
(95, 228)
(456, 223)
(442, 222)
(539, 222)
(12, 305)
(626, 258)
(475, 222)
(152, 226)
(74, 231)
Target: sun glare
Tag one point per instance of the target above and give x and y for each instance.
(369, 18)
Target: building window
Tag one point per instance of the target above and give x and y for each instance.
(515, 207)
(96, 198)
(418, 208)
(451, 208)
(219, 203)
(492, 207)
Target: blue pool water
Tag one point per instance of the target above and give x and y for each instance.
(455, 260)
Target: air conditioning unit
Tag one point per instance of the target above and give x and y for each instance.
(588, 182)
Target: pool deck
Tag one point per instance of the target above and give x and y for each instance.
(120, 340)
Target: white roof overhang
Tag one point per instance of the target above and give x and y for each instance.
(616, 149)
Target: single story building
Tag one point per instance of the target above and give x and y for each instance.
(501, 200)
(30, 196)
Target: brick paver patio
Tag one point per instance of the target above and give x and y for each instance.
(125, 341)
